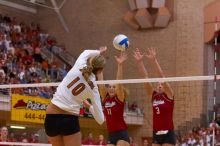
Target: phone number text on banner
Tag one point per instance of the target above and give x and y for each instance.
(28, 108)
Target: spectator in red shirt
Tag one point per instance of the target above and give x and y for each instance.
(34, 138)
(134, 106)
(132, 143)
(12, 137)
(89, 140)
(24, 141)
(101, 141)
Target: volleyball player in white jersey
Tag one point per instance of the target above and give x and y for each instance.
(61, 123)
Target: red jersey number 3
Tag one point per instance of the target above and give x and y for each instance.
(157, 110)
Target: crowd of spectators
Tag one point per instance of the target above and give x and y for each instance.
(22, 60)
(201, 136)
(25, 137)
(89, 140)
(196, 137)
(6, 136)
(101, 141)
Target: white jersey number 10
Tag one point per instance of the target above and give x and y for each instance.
(79, 87)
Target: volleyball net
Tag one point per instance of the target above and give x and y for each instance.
(24, 105)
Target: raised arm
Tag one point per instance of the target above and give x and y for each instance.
(86, 54)
(95, 108)
(119, 87)
(151, 54)
(143, 71)
(102, 89)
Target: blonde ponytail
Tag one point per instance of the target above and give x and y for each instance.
(86, 72)
(97, 63)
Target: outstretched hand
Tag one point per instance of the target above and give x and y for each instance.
(103, 49)
(137, 55)
(121, 58)
(151, 53)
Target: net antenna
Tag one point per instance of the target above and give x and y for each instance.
(215, 66)
(215, 78)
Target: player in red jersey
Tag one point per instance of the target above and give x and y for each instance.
(113, 99)
(162, 102)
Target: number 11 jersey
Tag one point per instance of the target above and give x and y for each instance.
(114, 114)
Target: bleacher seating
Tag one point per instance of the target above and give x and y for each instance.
(28, 55)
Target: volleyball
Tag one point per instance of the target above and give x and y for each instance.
(121, 42)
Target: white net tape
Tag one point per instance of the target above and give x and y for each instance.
(127, 81)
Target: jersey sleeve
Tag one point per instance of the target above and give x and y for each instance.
(87, 54)
(96, 108)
